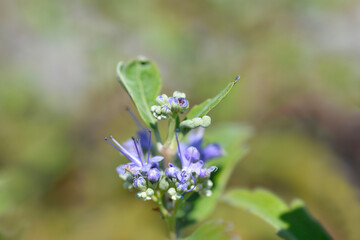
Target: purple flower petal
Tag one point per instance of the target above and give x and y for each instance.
(206, 172)
(212, 150)
(156, 159)
(192, 154)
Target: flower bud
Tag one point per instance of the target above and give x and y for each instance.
(172, 191)
(149, 192)
(162, 99)
(181, 187)
(126, 176)
(205, 193)
(164, 185)
(178, 94)
(208, 184)
(171, 171)
(140, 183)
(192, 154)
(154, 174)
(206, 121)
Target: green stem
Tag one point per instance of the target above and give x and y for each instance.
(169, 148)
(171, 132)
(172, 218)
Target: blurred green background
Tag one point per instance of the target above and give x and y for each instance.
(299, 89)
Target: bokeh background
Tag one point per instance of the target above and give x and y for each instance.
(299, 89)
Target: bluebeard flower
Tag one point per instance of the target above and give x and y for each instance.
(138, 165)
(195, 139)
(190, 163)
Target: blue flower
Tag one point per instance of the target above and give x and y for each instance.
(195, 139)
(183, 102)
(138, 163)
(190, 163)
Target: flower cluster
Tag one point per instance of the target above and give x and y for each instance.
(151, 174)
(147, 175)
(169, 106)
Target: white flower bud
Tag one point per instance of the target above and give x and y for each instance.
(206, 121)
(171, 191)
(164, 185)
(178, 94)
(149, 192)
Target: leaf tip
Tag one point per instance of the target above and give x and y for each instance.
(236, 78)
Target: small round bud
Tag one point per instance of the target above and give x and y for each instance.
(208, 184)
(181, 187)
(171, 191)
(140, 183)
(154, 174)
(171, 171)
(192, 154)
(197, 122)
(162, 99)
(165, 110)
(141, 195)
(149, 192)
(173, 103)
(178, 94)
(126, 176)
(164, 185)
(205, 193)
(206, 121)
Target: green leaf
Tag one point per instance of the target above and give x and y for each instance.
(211, 230)
(291, 222)
(205, 107)
(141, 80)
(232, 137)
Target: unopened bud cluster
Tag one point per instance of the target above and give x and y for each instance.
(204, 122)
(169, 106)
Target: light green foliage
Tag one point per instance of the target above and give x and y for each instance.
(291, 222)
(141, 79)
(211, 230)
(205, 107)
(232, 137)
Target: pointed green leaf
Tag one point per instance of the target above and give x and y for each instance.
(141, 80)
(232, 137)
(205, 107)
(291, 223)
(211, 230)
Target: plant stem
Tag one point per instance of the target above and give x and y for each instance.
(169, 148)
(171, 131)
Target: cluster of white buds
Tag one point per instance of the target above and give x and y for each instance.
(174, 195)
(169, 106)
(204, 188)
(145, 195)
